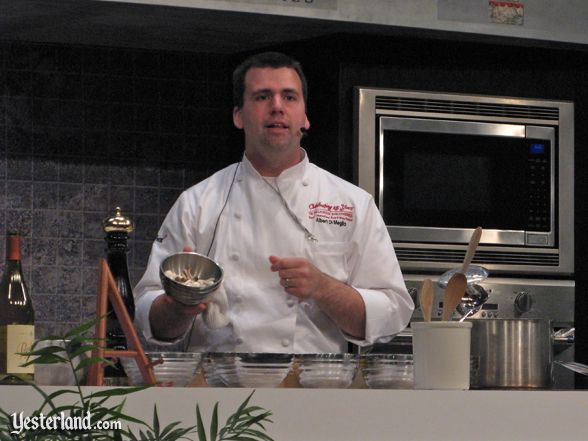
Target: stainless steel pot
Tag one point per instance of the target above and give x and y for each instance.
(511, 353)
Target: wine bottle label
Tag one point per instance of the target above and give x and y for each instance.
(15, 339)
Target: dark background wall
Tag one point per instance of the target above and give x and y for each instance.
(84, 129)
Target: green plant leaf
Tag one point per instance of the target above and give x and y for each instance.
(84, 327)
(200, 425)
(155, 421)
(214, 423)
(117, 391)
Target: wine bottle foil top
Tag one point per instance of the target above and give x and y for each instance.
(118, 222)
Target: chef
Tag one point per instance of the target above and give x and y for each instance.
(308, 263)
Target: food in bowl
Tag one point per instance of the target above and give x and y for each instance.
(186, 277)
(190, 278)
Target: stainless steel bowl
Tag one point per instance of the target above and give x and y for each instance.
(247, 370)
(201, 266)
(178, 368)
(388, 371)
(326, 370)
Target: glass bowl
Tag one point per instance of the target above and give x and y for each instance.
(388, 371)
(178, 368)
(326, 370)
(255, 370)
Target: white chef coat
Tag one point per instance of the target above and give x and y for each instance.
(353, 246)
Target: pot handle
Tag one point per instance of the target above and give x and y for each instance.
(564, 335)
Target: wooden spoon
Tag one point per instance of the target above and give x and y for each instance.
(474, 241)
(453, 293)
(426, 299)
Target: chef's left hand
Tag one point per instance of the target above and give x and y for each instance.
(298, 276)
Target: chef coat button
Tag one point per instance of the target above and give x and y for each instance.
(291, 302)
(285, 342)
(305, 182)
(235, 256)
(238, 215)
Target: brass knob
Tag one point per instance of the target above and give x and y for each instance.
(118, 222)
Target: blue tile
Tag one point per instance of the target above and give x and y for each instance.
(20, 220)
(92, 252)
(122, 173)
(70, 308)
(46, 223)
(123, 197)
(146, 175)
(45, 195)
(45, 169)
(146, 200)
(71, 278)
(69, 252)
(19, 167)
(71, 171)
(146, 227)
(96, 197)
(72, 225)
(44, 280)
(93, 224)
(44, 251)
(97, 172)
(45, 307)
(19, 194)
(71, 196)
(90, 280)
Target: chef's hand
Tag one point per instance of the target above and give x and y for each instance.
(169, 318)
(339, 301)
(298, 276)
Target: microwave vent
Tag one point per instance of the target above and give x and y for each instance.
(473, 108)
(482, 257)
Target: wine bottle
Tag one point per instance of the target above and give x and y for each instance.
(17, 318)
(117, 229)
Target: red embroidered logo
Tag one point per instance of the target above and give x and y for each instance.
(331, 214)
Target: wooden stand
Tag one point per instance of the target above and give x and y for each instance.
(107, 290)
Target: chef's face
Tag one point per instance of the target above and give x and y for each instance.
(273, 111)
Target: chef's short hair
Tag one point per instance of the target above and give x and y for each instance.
(264, 59)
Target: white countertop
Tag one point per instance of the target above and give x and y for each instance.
(366, 415)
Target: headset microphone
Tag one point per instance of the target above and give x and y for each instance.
(304, 132)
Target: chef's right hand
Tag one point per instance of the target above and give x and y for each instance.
(173, 306)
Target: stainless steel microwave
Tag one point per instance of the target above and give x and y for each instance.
(438, 165)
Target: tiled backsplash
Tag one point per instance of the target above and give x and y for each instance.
(86, 129)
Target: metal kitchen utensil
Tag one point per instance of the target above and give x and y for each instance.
(453, 293)
(426, 296)
(574, 366)
(473, 300)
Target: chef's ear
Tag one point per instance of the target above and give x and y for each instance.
(306, 123)
(237, 118)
